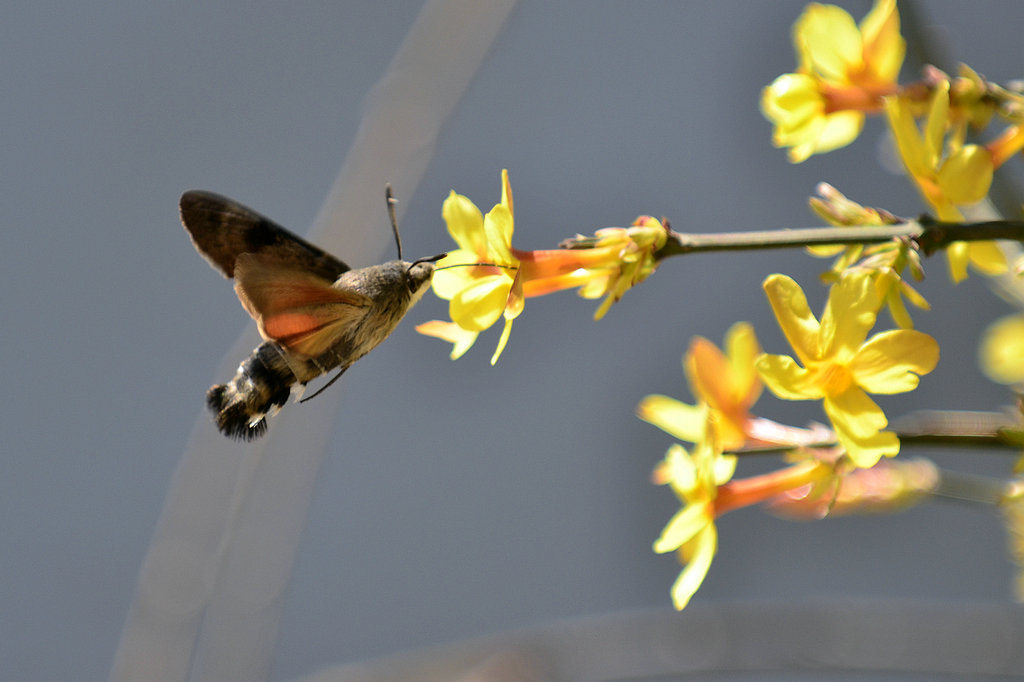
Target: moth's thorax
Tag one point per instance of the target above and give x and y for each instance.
(392, 288)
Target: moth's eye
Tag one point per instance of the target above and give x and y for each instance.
(419, 274)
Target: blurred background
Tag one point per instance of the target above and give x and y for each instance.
(456, 499)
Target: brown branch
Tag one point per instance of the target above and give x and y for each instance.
(926, 233)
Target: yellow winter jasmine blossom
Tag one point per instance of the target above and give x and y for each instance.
(1002, 350)
(702, 482)
(958, 174)
(727, 384)
(886, 261)
(630, 260)
(1012, 507)
(844, 72)
(478, 294)
(838, 366)
(486, 279)
(694, 479)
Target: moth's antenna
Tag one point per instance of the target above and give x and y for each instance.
(394, 220)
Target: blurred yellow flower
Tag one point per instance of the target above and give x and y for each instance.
(947, 175)
(727, 384)
(844, 71)
(1001, 354)
(886, 488)
(1012, 507)
(694, 479)
(702, 480)
(839, 367)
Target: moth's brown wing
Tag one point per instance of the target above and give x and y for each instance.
(222, 230)
(295, 307)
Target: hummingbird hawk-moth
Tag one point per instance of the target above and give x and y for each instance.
(314, 312)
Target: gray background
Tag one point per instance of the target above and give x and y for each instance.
(456, 499)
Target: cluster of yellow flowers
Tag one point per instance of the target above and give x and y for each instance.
(486, 279)
(835, 362)
(844, 73)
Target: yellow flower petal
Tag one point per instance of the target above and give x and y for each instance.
(908, 139)
(828, 40)
(988, 257)
(840, 129)
(707, 371)
(742, 348)
(884, 47)
(786, 379)
(935, 125)
(966, 176)
(679, 420)
(865, 452)
(690, 578)
(723, 468)
(794, 316)
(465, 223)
(498, 226)
(891, 361)
(448, 282)
(898, 311)
(854, 413)
(858, 423)
(682, 472)
(790, 102)
(506, 192)
(502, 341)
(478, 306)
(461, 339)
(958, 256)
(849, 315)
(685, 524)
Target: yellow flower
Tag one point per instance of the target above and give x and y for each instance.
(486, 278)
(702, 482)
(1012, 507)
(479, 295)
(839, 367)
(844, 71)
(629, 260)
(886, 261)
(1002, 350)
(947, 175)
(694, 479)
(727, 384)
(886, 488)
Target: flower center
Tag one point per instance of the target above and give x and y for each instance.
(833, 378)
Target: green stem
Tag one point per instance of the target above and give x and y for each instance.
(928, 234)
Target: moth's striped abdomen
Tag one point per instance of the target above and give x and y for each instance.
(260, 387)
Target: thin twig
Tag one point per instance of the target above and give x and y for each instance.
(928, 234)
